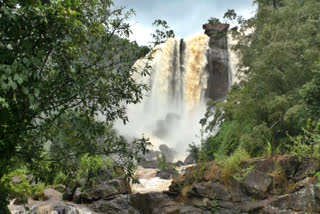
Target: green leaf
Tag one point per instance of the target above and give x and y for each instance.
(26, 61)
(16, 77)
(25, 90)
(20, 80)
(13, 85)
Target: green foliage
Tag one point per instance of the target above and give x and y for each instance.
(58, 57)
(162, 162)
(317, 175)
(308, 143)
(194, 151)
(78, 144)
(225, 142)
(37, 192)
(230, 15)
(199, 172)
(90, 166)
(23, 189)
(231, 164)
(278, 91)
(162, 32)
(213, 20)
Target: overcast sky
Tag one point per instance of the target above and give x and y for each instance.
(185, 17)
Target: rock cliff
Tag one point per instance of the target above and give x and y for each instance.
(218, 58)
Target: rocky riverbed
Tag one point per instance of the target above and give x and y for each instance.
(282, 184)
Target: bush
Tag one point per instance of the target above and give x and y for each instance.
(307, 144)
(194, 150)
(231, 165)
(162, 162)
(22, 189)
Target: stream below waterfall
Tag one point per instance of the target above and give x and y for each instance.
(149, 182)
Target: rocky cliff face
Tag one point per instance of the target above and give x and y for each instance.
(218, 61)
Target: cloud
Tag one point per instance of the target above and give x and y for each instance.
(185, 17)
(141, 34)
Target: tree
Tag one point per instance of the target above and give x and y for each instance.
(162, 32)
(213, 20)
(279, 65)
(57, 57)
(230, 14)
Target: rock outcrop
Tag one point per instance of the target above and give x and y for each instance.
(218, 61)
(283, 184)
(279, 185)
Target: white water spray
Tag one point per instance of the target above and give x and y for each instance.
(170, 112)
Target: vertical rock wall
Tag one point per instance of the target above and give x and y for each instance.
(218, 66)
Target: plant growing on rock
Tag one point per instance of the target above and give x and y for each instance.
(231, 165)
(162, 162)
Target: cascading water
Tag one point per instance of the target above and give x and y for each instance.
(170, 112)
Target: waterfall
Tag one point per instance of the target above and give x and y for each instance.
(170, 112)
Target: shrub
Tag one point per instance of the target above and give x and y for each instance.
(194, 150)
(162, 162)
(231, 165)
(307, 144)
(22, 189)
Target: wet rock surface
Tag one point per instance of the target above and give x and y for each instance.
(168, 173)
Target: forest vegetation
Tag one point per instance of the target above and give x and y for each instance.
(274, 108)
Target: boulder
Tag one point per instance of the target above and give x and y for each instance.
(153, 164)
(163, 175)
(211, 190)
(154, 202)
(304, 200)
(179, 163)
(264, 165)
(19, 201)
(307, 168)
(120, 205)
(77, 196)
(50, 207)
(106, 190)
(68, 194)
(16, 180)
(168, 152)
(168, 173)
(257, 184)
(190, 159)
(192, 210)
(52, 194)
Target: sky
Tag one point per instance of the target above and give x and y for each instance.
(185, 17)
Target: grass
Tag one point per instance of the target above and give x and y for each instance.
(231, 165)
